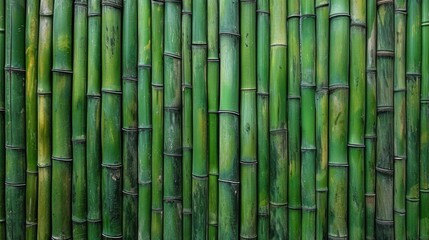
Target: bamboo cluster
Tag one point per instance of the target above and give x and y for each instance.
(214, 119)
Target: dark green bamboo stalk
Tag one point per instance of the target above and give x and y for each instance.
(356, 143)
(308, 118)
(44, 119)
(322, 53)
(61, 119)
(173, 206)
(370, 118)
(413, 77)
(80, 58)
(229, 155)
(278, 121)
(248, 127)
(129, 120)
(2, 122)
(15, 119)
(424, 125)
(399, 89)
(213, 118)
(144, 119)
(157, 117)
(262, 101)
(339, 40)
(187, 117)
(384, 163)
(199, 119)
(31, 42)
(111, 142)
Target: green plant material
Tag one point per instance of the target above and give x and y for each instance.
(2, 123)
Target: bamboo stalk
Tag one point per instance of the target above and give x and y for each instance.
(144, 119)
(80, 58)
(111, 143)
(262, 101)
(278, 121)
(356, 144)
(31, 42)
(2, 123)
(229, 120)
(15, 120)
(248, 127)
(129, 120)
(339, 40)
(322, 53)
(93, 131)
(399, 89)
(199, 120)
(308, 119)
(213, 118)
(384, 163)
(370, 118)
(44, 119)
(173, 206)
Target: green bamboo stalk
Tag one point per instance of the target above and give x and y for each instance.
(424, 125)
(15, 120)
(308, 118)
(111, 176)
(413, 77)
(278, 121)
(80, 58)
(199, 119)
(229, 120)
(213, 118)
(93, 130)
(173, 206)
(61, 119)
(339, 40)
(322, 53)
(356, 143)
(144, 119)
(2, 123)
(262, 101)
(129, 120)
(187, 117)
(31, 45)
(370, 118)
(157, 117)
(384, 163)
(44, 119)
(399, 141)
(248, 127)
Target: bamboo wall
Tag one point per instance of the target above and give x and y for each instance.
(214, 119)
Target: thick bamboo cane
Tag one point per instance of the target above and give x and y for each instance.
(2, 122)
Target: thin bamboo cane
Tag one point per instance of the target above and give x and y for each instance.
(80, 58)
(93, 131)
(111, 142)
(399, 89)
(229, 155)
(129, 120)
(322, 53)
(308, 119)
(44, 119)
(61, 119)
(339, 40)
(31, 40)
(278, 121)
(2, 122)
(413, 77)
(384, 163)
(144, 119)
(356, 144)
(262, 78)
(370, 119)
(15, 119)
(199, 119)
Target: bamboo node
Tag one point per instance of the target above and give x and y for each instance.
(254, 163)
(381, 109)
(335, 15)
(31, 172)
(309, 209)
(14, 69)
(18, 148)
(341, 165)
(111, 4)
(110, 237)
(94, 220)
(15, 185)
(248, 237)
(172, 199)
(78, 220)
(146, 128)
(94, 15)
(385, 222)
(127, 129)
(186, 12)
(112, 165)
(186, 211)
(62, 71)
(412, 199)
(336, 237)
(358, 24)
(47, 165)
(173, 155)
(232, 34)
(212, 59)
(401, 11)
(292, 16)
(308, 15)
(144, 66)
(278, 205)
(133, 79)
(265, 12)
(229, 112)
(356, 145)
(384, 170)
(172, 55)
(148, 182)
(326, 4)
(30, 224)
(82, 4)
(295, 208)
(248, 89)
(202, 177)
(385, 53)
(227, 181)
(381, 2)
(157, 85)
(109, 91)
(133, 194)
(61, 159)
(278, 45)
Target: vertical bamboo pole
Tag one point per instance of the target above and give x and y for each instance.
(15, 119)
(2, 122)
(31, 42)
